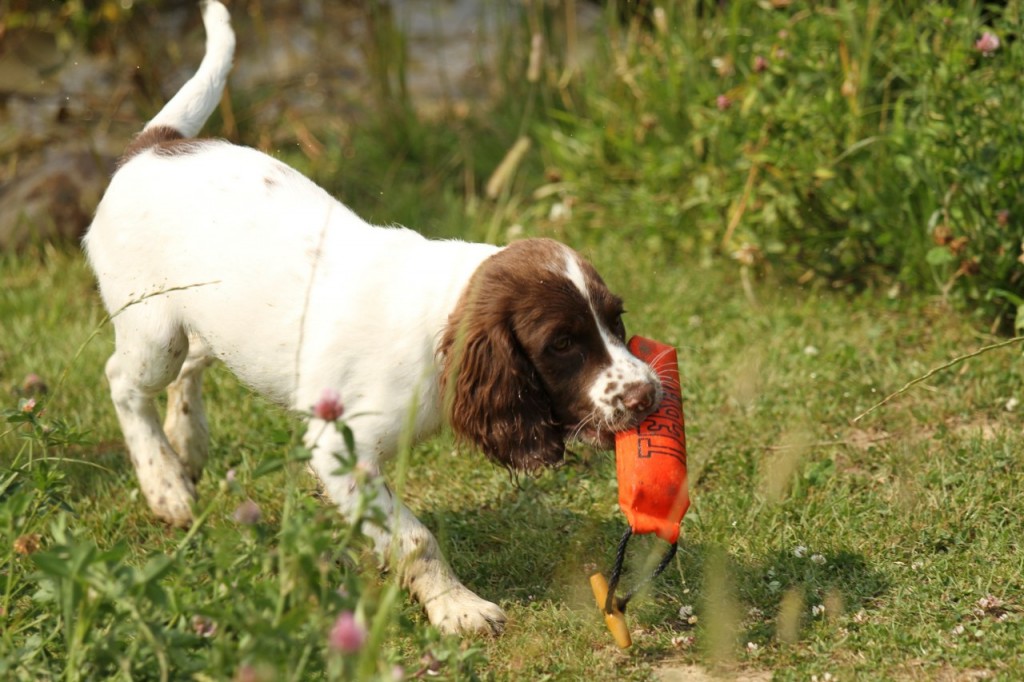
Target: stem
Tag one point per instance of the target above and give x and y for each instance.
(282, 568)
(932, 372)
(196, 525)
(161, 655)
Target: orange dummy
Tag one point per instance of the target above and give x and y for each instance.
(650, 464)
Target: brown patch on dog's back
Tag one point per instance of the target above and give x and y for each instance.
(164, 140)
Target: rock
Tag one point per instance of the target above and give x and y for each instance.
(27, 57)
(53, 199)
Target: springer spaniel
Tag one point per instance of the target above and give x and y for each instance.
(205, 250)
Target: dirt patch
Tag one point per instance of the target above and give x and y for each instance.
(685, 672)
(866, 439)
(918, 669)
(986, 427)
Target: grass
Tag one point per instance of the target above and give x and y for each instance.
(814, 547)
(913, 513)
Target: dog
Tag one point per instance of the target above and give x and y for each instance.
(204, 250)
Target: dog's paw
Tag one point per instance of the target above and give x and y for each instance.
(172, 503)
(460, 612)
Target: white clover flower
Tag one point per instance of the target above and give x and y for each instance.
(990, 603)
(559, 211)
(683, 641)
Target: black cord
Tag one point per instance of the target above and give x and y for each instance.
(613, 582)
(620, 557)
(662, 565)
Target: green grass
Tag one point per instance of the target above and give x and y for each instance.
(905, 526)
(914, 511)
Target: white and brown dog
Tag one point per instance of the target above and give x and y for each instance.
(206, 250)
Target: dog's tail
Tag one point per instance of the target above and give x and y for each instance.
(184, 115)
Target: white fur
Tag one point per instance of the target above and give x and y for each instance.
(625, 369)
(188, 110)
(198, 254)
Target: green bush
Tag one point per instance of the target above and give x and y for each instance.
(860, 142)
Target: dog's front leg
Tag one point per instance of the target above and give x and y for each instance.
(404, 544)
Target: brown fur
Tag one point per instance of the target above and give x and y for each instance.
(509, 388)
(163, 140)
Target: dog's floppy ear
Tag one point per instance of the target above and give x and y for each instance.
(493, 396)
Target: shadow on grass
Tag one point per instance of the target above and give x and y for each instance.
(538, 543)
(531, 548)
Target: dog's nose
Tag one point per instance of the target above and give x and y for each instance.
(639, 397)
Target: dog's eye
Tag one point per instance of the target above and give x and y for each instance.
(561, 344)
(618, 327)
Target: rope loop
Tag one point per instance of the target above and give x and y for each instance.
(611, 601)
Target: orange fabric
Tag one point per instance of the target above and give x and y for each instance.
(650, 459)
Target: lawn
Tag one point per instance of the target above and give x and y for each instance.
(813, 547)
(816, 546)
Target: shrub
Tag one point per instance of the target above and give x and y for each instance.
(860, 142)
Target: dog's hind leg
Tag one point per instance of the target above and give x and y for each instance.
(185, 423)
(142, 365)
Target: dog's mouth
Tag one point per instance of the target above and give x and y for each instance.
(598, 428)
(602, 436)
(601, 433)
(602, 439)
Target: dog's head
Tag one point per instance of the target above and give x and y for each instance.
(534, 355)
